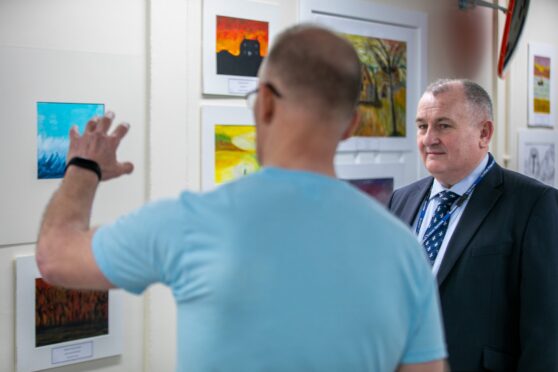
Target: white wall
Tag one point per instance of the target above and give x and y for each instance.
(541, 28)
(114, 30)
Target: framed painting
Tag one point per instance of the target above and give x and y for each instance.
(33, 147)
(236, 39)
(542, 93)
(391, 45)
(228, 145)
(54, 120)
(57, 326)
(375, 180)
(536, 156)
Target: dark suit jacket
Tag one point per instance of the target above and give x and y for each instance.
(498, 280)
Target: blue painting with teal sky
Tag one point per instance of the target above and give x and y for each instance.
(54, 120)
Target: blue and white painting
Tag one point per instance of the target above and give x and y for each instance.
(54, 120)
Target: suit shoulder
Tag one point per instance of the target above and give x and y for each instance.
(523, 183)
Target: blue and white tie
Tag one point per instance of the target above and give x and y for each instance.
(434, 242)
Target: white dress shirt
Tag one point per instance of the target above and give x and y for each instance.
(459, 188)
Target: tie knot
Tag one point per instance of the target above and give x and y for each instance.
(447, 197)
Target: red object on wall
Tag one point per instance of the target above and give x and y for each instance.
(516, 15)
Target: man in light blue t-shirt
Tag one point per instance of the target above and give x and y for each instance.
(285, 270)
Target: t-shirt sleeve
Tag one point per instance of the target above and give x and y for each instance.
(426, 342)
(132, 251)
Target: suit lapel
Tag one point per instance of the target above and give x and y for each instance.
(414, 202)
(482, 201)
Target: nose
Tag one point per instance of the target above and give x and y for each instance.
(430, 137)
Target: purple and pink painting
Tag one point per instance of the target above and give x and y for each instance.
(378, 188)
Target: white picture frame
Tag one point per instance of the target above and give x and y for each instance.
(542, 90)
(248, 10)
(372, 171)
(537, 155)
(56, 354)
(52, 76)
(378, 21)
(223, 116)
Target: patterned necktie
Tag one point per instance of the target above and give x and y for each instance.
(434, 242)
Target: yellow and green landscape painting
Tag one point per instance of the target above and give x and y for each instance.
(235, 152)
(384, 86)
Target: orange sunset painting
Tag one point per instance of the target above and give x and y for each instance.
(241, 45)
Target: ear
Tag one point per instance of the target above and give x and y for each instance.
(353, 125)
(487, 130)
(266, 105)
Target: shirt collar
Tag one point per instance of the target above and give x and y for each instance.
(463, 185)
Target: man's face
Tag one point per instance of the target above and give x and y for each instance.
(452, 139)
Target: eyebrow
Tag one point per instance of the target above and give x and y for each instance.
(443, 118)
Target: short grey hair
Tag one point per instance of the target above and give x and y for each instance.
(320, 64)
(476, 95)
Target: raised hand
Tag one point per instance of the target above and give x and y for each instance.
(98, 145)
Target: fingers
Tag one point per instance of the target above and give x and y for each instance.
(105, 122)
(74, 133)
(100, 123)
(117, 170)
(91, 124)
(126, 167)
(120, 131)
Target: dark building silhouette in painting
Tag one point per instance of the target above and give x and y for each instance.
(246, 64)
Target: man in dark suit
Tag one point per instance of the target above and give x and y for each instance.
(491, 236)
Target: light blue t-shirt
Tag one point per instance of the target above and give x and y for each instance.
(281, 271)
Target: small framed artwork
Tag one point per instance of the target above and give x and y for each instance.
(237, 35)
(33, 148)
(54, 120)
(390, 44)
(537, 155)
(376, 180)
(228, 145)
(58, 326)
(542, 94)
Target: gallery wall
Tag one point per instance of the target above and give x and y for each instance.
(513, 91)
(166, 117)
(67, 51)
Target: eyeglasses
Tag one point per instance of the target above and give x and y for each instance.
(251, 96)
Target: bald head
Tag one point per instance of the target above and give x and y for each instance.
(477, 97)
(319, 69)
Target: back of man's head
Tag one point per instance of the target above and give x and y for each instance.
(319, 69)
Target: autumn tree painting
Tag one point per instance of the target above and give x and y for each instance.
(66, 314)
(384, 86)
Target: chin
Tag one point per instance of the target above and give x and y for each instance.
(435, 169)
